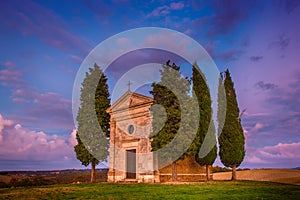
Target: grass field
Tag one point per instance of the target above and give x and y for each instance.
(204, 190)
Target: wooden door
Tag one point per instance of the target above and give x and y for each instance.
(131, 164)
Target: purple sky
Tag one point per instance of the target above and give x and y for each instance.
(44, 42)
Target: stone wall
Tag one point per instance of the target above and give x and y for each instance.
(188, 170)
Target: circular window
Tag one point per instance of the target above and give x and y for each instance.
(130, 129)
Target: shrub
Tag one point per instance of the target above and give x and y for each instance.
(3, 185)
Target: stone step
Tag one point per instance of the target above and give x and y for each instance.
(129, 181)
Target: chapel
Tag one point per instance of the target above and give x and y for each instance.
(131, 158)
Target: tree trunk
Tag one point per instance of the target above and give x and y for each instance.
(174, 172)
(93, 172)
(208, 178)
(233, 172)
(211, 178)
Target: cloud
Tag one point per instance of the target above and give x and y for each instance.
(33, 19)
(210, 48)
(250, 133)
(228, 55)
(255, 159)
(100, 9)
(180, 46)
(9, 64)
(159, 11)
(257, 127)
(22, 144)
(287, 99)
(229, 15)
(279, 155)
(76, 59)
(256, 58)
(123, 41)
(68, 69)
(72, 139)
(265, 86)
(165, 10)
(282, 42)
(281, 151)
(121, 1)
(138, 57)
(3, 124)
(271, 138)
(43, 109)
(10, 76)
(48, 110)
(176, 6)
(291, 5)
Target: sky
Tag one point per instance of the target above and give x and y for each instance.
(43, 44)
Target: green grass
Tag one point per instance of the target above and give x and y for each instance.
(204, 190)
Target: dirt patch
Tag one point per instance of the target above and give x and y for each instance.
(273, 175)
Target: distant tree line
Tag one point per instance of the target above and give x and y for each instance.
(27, 181)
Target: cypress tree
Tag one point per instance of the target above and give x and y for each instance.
(231, 139)
(205, 139)
(93, 143)
(164, 96)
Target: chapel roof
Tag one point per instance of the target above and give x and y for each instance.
(128, 100)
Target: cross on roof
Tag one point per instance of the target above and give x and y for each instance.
(129, 83)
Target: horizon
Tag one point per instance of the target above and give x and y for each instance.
(45, 42)
(107, 167)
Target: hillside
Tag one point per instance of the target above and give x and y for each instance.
(274, 175)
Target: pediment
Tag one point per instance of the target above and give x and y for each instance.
(129, 100)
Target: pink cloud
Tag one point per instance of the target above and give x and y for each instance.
(159, 11)
(255, 159)
(76, 59)
(68, 69)
(50, 110)
(72, 138)
(48, 58)
(248, 132)
(254, 129)
(176, 6)
(279, 155)
(282, 151)
(47, 109)
(9, 64)
(123, 41)
(4, 123)
(10, 76)
(165, 10)
(188, 31)
(19, 143)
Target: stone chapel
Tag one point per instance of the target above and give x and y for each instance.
(130, 156)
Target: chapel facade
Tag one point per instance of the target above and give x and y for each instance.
(130, 156)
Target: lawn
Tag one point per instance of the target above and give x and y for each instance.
(211, 190)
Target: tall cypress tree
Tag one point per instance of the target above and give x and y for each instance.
(221, 112)
(206, 129)
(231, 139)
(164, 96)
(93, 144)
